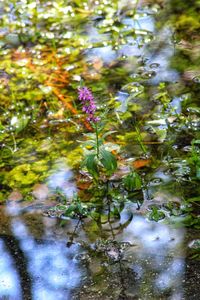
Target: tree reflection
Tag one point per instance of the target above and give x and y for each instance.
(36, 269)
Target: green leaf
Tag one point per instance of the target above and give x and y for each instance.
(108, 133)
(108, 160)
(95, 215)
(70, 210)
(196, 142)
(61, 207)
(194, 199)
(132, 182)
(116, 212)
(156, 214)
(1, 126)
(91, 165)
(90, 136)
(19, 123)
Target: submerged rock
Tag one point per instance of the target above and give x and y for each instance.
(15, 196)
(40, 191)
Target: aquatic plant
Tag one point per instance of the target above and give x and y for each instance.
(98, 159)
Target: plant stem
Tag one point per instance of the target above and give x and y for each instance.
(14, 142)
(135, 8)
(139, 139)
(97, 139)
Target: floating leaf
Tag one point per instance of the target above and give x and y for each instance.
(156, 214)
(140, 163)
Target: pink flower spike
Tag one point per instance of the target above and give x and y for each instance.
(85, 94)
(87, 100)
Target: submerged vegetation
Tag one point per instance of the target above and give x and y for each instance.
(140, 143)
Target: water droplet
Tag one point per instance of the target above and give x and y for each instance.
(154, 65)
(156, 181)
(149, 74)
(134, 75)
(187, 148)
(196, 79)
(193, 110)
(175, 147)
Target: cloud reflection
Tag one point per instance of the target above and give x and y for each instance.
(40, 269)
(62, 178)
(9, 279)
(54, 272)
(159, 261)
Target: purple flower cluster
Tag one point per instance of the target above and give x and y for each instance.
(89, 107)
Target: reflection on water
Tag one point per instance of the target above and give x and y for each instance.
(50, 265)
(62, 179)
(145, 261)
(160, 259)
(106, 53)
(138, 259)
(10, 281)
(49, 268)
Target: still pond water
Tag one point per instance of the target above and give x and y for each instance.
(141, 60)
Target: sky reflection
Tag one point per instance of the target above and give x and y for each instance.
(50, 269)
(159, 256)
(62, 179)
(9, 279)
